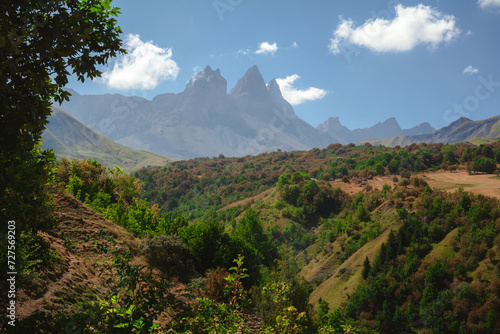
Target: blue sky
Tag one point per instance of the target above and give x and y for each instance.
(363, 61)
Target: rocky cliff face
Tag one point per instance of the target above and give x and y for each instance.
(203, 120)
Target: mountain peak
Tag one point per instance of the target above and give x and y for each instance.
(457, 123)
(274, 89)
(253, 69)
(207, 80)
(392, 123)
(331, 125)
(252, 83)
(332, 122)
(464, 119)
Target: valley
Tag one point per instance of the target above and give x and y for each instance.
(316, 235)
(335, 169)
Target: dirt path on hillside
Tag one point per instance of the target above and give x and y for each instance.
(75, 274)
(80, 272)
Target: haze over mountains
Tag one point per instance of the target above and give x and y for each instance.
(203, 120)
(206, 120)
(388, 128)
(69, 138)
(461, 130)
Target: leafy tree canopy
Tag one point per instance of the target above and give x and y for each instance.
(41, 43)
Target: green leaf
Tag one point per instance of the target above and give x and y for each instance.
(114, 299)
(130, 310)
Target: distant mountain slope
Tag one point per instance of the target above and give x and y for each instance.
(462, 130)
(72, 139)
(388, 128)
(203, 120)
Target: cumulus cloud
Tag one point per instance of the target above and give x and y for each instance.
(295, 96)
(470, 70)
(412, 26)
(143, 67)
(489, 3)
(266, 48)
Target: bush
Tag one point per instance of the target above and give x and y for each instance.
(404, 182)
(418, 182)
(167, 252)
(405, 174)
(483, 165)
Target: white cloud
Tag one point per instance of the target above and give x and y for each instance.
(143, 67)
(266, 48)
(410, 27)
(295, 45)
(197, 69)
(470, 70)
(489, 3)
(244, 52)
(295, 96)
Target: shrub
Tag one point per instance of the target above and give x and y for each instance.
(404, 182)
(405, 174)
(418, 182)
(484, 165)
(167, 252)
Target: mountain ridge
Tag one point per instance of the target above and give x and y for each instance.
(461, 130)
(70, 138)
(203, 120)
(206, 120)
(388, 128)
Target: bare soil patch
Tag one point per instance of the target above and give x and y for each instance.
(484, 184)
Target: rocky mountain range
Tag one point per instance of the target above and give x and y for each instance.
(388, 128)
(206, 120)
(203, 120)
(461, 130)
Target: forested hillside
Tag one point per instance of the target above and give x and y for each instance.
(344, 239)
(194, 186)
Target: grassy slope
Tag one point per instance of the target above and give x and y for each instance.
(343, 279)
(77, 273)
(71, 139)
(346, 277)
(339, 280)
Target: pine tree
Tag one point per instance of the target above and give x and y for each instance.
(366, 268)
